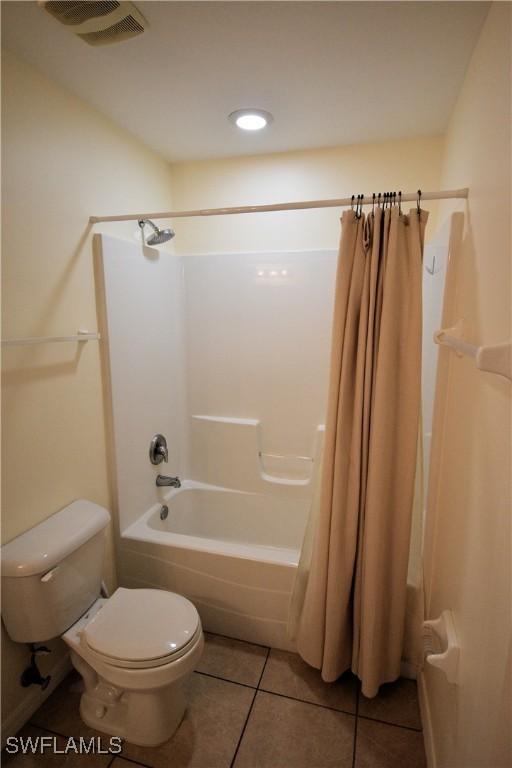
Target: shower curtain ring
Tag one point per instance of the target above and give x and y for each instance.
(373, 204)
(352, 202)
(378, 199)
(418, 202)
(400, 202)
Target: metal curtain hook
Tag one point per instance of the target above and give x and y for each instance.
(352, 202)
(373, 204)
(418, 202)
(400, 202)
(378, 199)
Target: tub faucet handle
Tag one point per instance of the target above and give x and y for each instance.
(163, 451)
(158, 450)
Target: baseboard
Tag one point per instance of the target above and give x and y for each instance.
(426, 720)
(33, 700)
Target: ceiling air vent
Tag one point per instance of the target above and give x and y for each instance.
(98, 23)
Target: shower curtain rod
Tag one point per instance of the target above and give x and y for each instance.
(297, 206)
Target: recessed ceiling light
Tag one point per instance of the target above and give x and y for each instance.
(251, 119)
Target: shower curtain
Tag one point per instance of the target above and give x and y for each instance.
(354, 601)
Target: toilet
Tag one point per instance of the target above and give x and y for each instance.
(134, 650)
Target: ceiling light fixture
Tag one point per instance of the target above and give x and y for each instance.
(251, 119)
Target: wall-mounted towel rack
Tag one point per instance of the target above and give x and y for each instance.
(494, 358)
(80, 336)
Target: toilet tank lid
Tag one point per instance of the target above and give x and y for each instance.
(41, 548)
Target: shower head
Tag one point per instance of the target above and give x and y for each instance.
(158, 237)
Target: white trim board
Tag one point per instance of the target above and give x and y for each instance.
(426, 720)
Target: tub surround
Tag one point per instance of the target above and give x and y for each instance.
(213, 375)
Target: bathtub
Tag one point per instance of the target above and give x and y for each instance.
(233, 553)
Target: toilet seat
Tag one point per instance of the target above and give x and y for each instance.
(142, 628)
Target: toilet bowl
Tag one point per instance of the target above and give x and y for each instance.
(135, 652)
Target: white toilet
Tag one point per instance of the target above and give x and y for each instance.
(134, 650)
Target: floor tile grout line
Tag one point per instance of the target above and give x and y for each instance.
(236, 640)
(394, 725)
(48, 730)
(306, 701)
(263, 669)
(231, 765)
(130, 760)
(226, 680)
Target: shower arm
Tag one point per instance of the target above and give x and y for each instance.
(142, 223)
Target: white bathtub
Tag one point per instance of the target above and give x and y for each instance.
(233, 553)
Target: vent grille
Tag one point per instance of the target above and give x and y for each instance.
(77, 12)
(98, 22)
(127, 27)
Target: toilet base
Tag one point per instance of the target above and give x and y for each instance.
(145, 718)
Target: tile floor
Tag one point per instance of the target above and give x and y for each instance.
(253, 707)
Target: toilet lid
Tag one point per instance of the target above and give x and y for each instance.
(138, 625)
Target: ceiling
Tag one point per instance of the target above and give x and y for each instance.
(330, 72)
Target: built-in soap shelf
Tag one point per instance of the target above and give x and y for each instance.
(441, 645)
(493, 358)
(285, 469)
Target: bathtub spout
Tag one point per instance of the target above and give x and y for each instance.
(162, 480)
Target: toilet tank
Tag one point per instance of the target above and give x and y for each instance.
(51, 574)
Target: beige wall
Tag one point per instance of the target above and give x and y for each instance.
(62, 162)
(308, 174)
(468, 534)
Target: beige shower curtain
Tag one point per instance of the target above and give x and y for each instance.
(354, 604)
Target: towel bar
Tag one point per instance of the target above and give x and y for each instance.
(80, 336)
(493, 358)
